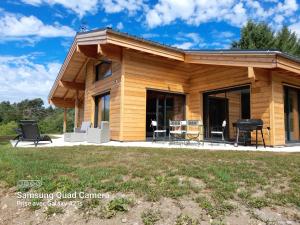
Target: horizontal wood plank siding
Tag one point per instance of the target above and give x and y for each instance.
(135, 72)
(261, 96)
(110, 84)
(279, 78)
(142, 72)
(208, 78)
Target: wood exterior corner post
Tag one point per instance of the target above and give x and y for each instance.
(65, 121)
(76, 119)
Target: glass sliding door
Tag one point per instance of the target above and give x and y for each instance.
(291, 113)
(229, 104)
(163, 107)
(102, 109)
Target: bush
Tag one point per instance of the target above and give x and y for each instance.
(8, 128)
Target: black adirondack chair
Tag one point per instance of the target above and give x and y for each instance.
(29, 131)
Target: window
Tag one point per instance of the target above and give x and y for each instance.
(105, 100)
(102, 105)
(103, 70)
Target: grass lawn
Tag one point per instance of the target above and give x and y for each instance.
(213, 179)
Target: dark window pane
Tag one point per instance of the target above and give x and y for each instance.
(103, 70)
(102, 108)
(105, 107)
(245, 105)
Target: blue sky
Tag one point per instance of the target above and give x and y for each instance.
(35, 35)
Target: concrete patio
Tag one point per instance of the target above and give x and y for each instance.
(58, 141)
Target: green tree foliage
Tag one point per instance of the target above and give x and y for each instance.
(7, 129)
(255, 36)
(50, 119)
(287, 41)
(260, 36)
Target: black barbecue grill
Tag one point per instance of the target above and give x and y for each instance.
(247, 126)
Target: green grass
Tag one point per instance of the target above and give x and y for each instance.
(186, 220)
(150, 217)
(155, 173)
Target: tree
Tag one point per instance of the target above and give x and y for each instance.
(50, 119)
(287, 41)
(7, 112)
(31, 109)
(260, 36)
(255, 36)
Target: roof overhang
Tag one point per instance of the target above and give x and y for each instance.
(97, 44)
(94, 45)
(259, 59)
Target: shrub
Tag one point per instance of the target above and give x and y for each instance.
(8, 128)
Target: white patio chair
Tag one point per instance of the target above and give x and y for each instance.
(219, 132)
(99, 135)
(79, 134)
(84, 127)
(177, 130)
(156, 131)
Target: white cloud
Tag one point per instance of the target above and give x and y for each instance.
(188, 40)
(184, 45)
(23, 78)
(194, 36)
(195, 12)
(81, 7)
(120, 26)
(150, 35)
(234, 12)
(222, 34)
(29, 28)
(32, 2)
(116, 6)
(296, 28)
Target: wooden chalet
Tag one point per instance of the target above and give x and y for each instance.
(109, 75)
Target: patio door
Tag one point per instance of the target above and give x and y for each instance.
(291, 114)
(163, 107)
(217, 113)
(230, 104)
(102, 109)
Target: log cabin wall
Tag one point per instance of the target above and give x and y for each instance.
(111, 84)
(208, 78)
(279, 78)
(136, 72)
(261, 98)
(142, 72)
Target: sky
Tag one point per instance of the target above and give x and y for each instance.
(35, 35)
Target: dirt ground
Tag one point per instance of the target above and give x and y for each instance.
(169, 210)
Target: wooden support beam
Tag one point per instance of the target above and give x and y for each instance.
(251, 73)
(72, 85)
(99, 50)
(65, 121)
(76, 119)
(81, 69)
(88, 50)
(63, 103)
